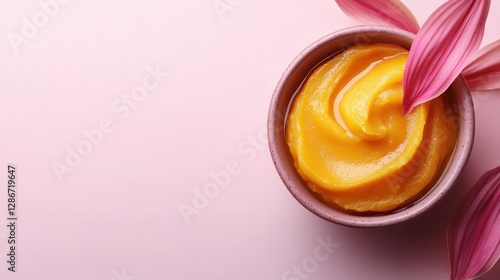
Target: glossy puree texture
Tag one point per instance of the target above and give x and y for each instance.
(350, 140)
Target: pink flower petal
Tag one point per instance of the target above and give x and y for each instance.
(441, 49)
(474, 230)
(484, 71)
(391, 13)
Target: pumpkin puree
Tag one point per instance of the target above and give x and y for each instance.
(350, 140)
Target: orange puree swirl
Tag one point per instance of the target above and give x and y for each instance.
(350, 140)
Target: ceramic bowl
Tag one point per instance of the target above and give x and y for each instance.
(291, 81)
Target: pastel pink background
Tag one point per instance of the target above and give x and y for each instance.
(116, 215)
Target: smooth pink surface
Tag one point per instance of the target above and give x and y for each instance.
(116, 215)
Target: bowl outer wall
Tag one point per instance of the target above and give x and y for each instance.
(291, 81)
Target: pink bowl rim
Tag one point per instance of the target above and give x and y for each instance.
(311, 202)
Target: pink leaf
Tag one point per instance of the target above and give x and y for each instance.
(441, 49)
(474, 230)
(391, 13)
(484, 71)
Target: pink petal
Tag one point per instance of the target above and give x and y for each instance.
(474, 230)
(441, 49)
(391, 13)
(484, 71)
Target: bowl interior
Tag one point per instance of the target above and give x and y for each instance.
(291, 81)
